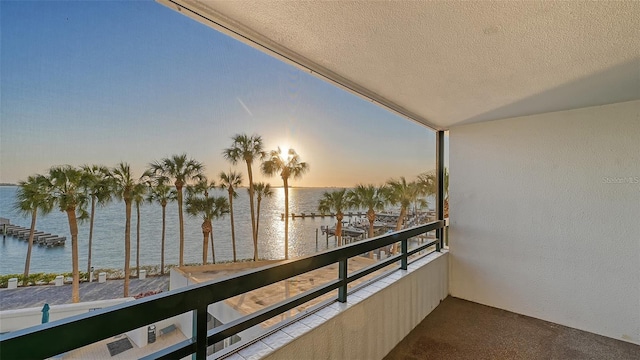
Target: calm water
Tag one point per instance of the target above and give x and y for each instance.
(108, 238)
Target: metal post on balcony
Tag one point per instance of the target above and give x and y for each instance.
(200, 328)
(440, 183)
(342, 274)
(405, 248)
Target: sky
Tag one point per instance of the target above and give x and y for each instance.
(100, 82)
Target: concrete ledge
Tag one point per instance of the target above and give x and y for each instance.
(17, 319)
(369, 325)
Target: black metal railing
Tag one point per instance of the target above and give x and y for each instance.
(57, 337)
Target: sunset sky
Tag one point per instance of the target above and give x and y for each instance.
(104, 82)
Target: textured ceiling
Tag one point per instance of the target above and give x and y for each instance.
(449, 63)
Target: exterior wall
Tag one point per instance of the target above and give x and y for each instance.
(12, 320)
(372, 322)
(177, 280)
(226, 314)
(184, 322)
(545, 217)
(140, 335)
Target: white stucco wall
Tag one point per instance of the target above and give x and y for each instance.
(545, 217)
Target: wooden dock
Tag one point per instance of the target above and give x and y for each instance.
(40, 238)
(321, 215)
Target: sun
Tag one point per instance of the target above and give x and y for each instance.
(286, 145)
(284, 150)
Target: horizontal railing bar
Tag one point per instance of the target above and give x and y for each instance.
(422, 247)
(177, 351)
(70, 333)
(231, 328)
(371, 244)
(373, 268)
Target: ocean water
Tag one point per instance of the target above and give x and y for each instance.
(108, 235)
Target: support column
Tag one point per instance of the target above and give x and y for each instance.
(440, 183)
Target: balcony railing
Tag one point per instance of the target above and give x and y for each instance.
(57, 337)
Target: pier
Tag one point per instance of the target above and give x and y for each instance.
(321, 215)
(40, 238)
(386, 216)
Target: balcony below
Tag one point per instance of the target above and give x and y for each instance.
(460, 329)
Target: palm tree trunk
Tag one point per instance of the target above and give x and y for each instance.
(181, 221)
(339, 217)
(255, 249)
(253, 215)
(138, 239)
(371, 216)
(286, 218)
(403, 213)
(73, 229)
(164, 217)
(127, 246)
(205, 241)
(213, 250)
(233, 229)
(25, 276)
(93, 212)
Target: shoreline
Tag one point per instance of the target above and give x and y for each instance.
(37, 296)
(111, 273)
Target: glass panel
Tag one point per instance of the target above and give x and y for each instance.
(139, 342)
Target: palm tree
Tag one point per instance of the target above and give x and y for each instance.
(263, 190)
(138, 193)
(124, 186)
(247, 148)
(203, 186)
(371, 198)
(230, 181)
(428, 184)
(446, 193)
(181, 170)
(291, 166)
(66, 189)
(336, 201)
(161, 193)
(33, 195)
(401, 193)
(96, 183)
(209, 208)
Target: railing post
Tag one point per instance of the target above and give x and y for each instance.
(200, 328)
(342, 274)
(440, 191)
(405, 248)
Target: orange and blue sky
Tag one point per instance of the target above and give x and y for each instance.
(107, 81)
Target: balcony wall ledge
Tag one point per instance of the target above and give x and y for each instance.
(371, 323)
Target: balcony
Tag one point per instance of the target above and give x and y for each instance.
(460, 329)
(408, 307)
(384, 296)
(544, 193)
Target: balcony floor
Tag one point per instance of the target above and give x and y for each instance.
(460, 329)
